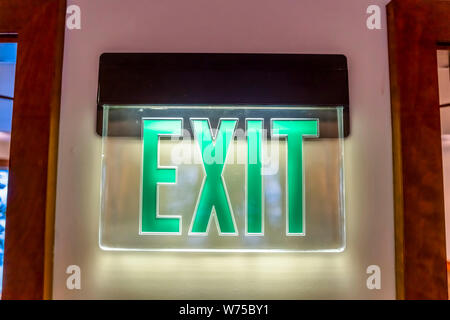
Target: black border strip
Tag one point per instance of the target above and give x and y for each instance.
(223, 79)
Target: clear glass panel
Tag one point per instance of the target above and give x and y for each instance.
(322, 180)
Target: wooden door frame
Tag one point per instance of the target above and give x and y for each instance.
(38, 26)
(416, 29)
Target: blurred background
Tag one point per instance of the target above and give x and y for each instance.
(8, 53)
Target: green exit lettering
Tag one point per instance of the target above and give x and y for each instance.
(213, 197)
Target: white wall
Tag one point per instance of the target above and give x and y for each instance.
(443, 57)
(281, 26)
(444, 98)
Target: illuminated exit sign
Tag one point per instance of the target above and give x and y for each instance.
(213, 204)
(194, 166)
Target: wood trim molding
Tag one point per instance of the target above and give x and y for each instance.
(415, 28)
(39, 26)
(4, 164)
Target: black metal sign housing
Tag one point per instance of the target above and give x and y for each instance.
(212, 79)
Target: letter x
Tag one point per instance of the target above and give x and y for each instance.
(213, 196)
